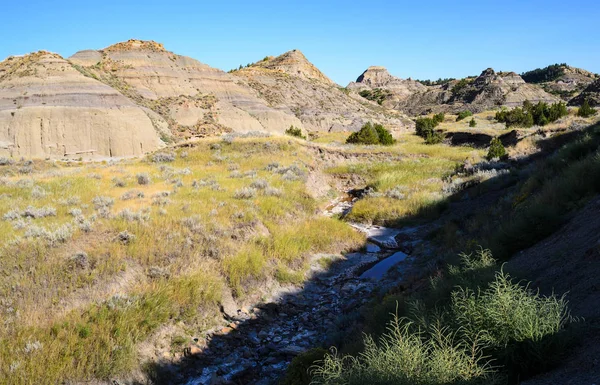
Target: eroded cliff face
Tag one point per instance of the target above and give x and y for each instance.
(290, 83)
(49, 109)
(196, 99)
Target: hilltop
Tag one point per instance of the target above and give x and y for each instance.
(291, 83)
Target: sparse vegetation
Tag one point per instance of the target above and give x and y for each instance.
(378, 95)
(84, 233)
(472, 123)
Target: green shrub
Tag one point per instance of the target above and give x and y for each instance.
(529, 115)
(371, 134)
(463, 114)
(496, 150)
(472, 123)
(439, 118)
(585, 111)
(295, 131)
(434, 138)
(385, 138)
(408, 356)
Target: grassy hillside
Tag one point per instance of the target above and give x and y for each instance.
(97, 257)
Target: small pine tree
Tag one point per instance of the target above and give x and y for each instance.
(496, 150)
(585, 111)
(472, 123)
(366, 135)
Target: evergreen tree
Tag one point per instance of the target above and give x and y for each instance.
(496, 149)
(366, 135)
(586, 110)
(472, 123)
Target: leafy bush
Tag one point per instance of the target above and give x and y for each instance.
(424, 126)
(496, 150)
(472, 123)
(295, 131)
(585, 111)
(434, 138)
(161, 157)
(463, 114)
(143, 178)
(439, 118)
(371, 134)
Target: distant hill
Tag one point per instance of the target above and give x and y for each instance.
(560, 79)
(489, 90)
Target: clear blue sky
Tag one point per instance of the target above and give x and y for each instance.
(418, 39)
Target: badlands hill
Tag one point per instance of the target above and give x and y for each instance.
(194, 98)
(561, 79)
(133, 97)
(48, 108)
(489, 90)
(291, 84)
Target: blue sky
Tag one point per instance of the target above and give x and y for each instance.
(418, 39)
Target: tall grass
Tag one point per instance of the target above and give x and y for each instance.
(485, 334)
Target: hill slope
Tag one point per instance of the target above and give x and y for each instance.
(291, 84)
(47, 108)
(195, 99)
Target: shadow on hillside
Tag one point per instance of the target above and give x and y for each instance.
(260, 345)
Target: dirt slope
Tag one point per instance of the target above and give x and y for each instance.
(569, 262)
(48, 108)
(195, 99)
